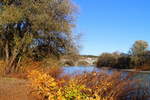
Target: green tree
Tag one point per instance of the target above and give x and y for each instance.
(107, 60)
(123, 61)
(138, 52)
(139, 48)
(38, 28)
(114, 60)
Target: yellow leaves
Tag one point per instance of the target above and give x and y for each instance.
(47, 86)
(10, 14)
(42, 83)
(73, 90)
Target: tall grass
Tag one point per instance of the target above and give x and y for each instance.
(51, 66)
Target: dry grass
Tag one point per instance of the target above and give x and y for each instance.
(50, 66)
(15, 86)
(143, 68)
(106, 86)
(2, 67)
(15, 89)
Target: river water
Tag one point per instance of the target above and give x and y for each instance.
(75, 70)
(144, 77)
(81, 69)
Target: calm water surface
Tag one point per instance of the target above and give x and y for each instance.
(144, 78)
(82, 69)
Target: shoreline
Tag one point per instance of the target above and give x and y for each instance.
(126, 70)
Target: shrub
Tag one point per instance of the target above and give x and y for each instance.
(123, 61)
(114, 60)
(88, 86)
(106, 60)
(43, 84)
(102, 84)
(49, 88)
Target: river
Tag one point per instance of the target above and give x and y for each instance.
(143, 76)
(81, 69)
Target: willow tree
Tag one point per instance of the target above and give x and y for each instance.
(39, 27)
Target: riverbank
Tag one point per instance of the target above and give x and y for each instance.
(134, 70)
(79, 69)
(125, 70)
(96, 82)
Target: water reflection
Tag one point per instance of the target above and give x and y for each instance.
(79, 69)
(82, 69)
(143, 77)
(143, 85)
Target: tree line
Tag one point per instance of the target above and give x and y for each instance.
(137, 57)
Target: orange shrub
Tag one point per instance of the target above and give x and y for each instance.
(89, 86)
(46, 86)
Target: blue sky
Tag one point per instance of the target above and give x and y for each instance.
(112, 25)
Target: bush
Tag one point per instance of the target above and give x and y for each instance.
(106, 60)
(123, 61)
(88, 86)
(43, 84)
(114, 60)
(51, 89)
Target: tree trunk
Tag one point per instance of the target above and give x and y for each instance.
(6, 49)
(6, 52)
(10, 65)
(18, 65)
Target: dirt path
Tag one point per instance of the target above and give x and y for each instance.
(14, 89)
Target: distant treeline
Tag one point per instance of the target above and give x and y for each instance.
(137, 57)
(91, 56)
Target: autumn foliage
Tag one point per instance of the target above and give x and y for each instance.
(88, 86)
